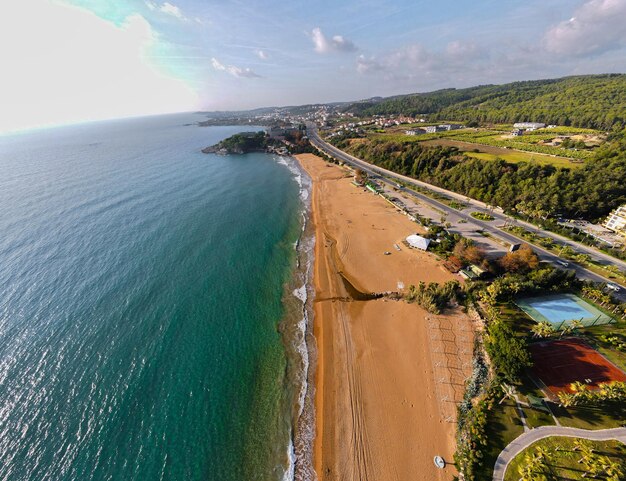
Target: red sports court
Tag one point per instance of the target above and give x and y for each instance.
(561, 363)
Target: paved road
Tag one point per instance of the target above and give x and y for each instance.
(489, 227)
(523, 441)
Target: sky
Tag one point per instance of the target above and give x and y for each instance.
(69, 61)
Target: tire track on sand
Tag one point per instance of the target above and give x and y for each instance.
(359, 447)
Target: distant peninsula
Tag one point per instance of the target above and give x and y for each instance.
(241, 143)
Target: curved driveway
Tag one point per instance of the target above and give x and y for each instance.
(523, 441)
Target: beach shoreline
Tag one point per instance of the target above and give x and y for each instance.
(377, 412)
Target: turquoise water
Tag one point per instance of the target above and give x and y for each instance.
(140, 305)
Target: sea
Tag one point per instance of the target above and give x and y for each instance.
(154, 306)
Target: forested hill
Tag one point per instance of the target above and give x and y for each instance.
(592, 101)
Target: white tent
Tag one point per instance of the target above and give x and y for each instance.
(418, 242)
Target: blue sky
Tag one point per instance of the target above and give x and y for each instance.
(234, 54)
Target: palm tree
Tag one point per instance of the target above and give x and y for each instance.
(576, 325)
(543, 329)
(567, 399)
(534, 467)
(508, 390)
(586, 451)
(613, 471)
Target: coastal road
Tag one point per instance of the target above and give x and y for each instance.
(524, 440)
(488, 227)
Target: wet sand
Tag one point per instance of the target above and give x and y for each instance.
(378, 415)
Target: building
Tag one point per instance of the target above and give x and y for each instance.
(600, 233)
(415, 132)
(616, 221)
(517, 132)
(444, 127)
(279, 132)
(472, 272)
(431, 129)
(529, 125)
(418, 242)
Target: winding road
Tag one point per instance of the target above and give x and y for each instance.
(523, 441)
(486, 226)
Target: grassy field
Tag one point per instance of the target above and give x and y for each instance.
(598, 337)
(564, 460)
(503, 426)
(516, 157)
(591, 417)
(496, 142)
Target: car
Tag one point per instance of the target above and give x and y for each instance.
(562, 263)
(613, 287)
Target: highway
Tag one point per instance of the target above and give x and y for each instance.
(489, 227)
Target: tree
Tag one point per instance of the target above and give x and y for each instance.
(360, 176)
(508, 391)
(543, 329)
(522, 260)
(508, 353)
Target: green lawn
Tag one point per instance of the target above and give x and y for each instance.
(595, 337)
(518, 320)
(503, 426)
(591, 417)
(482, 216)
(564, 460)
(516, 157)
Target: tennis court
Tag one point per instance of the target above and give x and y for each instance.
(561, 309)
(560, 363)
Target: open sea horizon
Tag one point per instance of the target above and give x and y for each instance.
(153, 306)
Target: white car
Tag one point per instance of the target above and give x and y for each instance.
(613, 287)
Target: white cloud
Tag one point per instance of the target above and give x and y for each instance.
(167, 8)
(457, 63)
(48, 77)
(262, 54)
(366, 65)
(233, 70)
(172, 10)
(596, 27)
(337, 43)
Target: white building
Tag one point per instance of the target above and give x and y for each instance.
(616, 221)
(415, 132)
(418, 242)
(529, 125)
(449, 127)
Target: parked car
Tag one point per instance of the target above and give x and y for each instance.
(613, 287)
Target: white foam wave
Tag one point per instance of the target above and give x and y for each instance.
(303, 181)
(299, 450)
(290, 472)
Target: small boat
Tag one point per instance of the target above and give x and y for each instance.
(387, 253)
(439, 462)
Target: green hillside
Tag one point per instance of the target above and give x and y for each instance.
(591, 101)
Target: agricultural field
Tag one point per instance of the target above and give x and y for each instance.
(559, 146)
(487, 152)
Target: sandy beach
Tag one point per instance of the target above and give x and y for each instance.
(379, 414)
